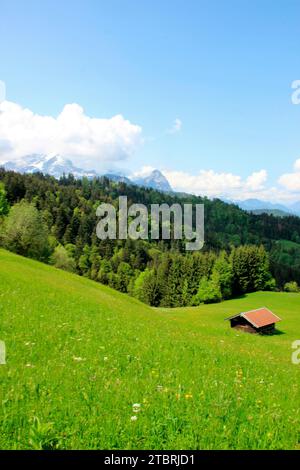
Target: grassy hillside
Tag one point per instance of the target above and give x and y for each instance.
(79, 355)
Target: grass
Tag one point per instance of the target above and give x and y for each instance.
(80, 355)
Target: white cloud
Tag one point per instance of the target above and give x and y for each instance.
(234, 187)
(177, 125)
(143, 172)
(205, 182)
(2, 91)
(256, 181)
(291, 181)
(297, 165)
(213, 184)
(87, 141)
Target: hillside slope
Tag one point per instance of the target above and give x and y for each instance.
(80, 355)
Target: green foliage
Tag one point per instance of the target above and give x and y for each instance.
(235, 259)
(25, 232)
(285, 261)
(62, 259)
(209, 291)
(146, 288)
(291, 287)
(104, 270)
(124, 275)
(4, 206)
(223, 270)
(250, 268)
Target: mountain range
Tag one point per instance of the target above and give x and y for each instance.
(57, 166)
(257, 206)
(53, 165)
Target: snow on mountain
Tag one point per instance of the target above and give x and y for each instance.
(155, 180)
(54, 165)
(57, 166)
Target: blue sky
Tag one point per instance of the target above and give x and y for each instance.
(223, 68)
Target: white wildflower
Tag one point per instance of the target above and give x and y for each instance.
(77, 359)
(136, 407)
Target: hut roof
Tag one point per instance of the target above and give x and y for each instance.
(259, 317)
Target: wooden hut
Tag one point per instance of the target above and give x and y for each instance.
(261, 320)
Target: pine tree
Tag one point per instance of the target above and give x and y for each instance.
(4, 206)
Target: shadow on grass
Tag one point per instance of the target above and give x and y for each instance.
(274, 333)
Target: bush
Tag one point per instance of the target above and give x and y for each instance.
(209, 292)
(291, 287)
(62, 260)
(25, 232)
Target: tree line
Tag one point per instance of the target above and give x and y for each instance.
(54, 221)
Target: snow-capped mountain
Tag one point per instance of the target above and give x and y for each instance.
(155, 180)
(54, 165)
(57, 166)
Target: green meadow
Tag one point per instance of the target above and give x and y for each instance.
(90, 368)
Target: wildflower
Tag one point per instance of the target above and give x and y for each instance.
(105, 358)
(188, 396)
(77, 359)
(133, 418)
(136, 407)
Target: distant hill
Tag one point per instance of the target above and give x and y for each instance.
(275, 212)
(258, 206)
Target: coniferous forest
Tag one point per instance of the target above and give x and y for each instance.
(54, 221)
